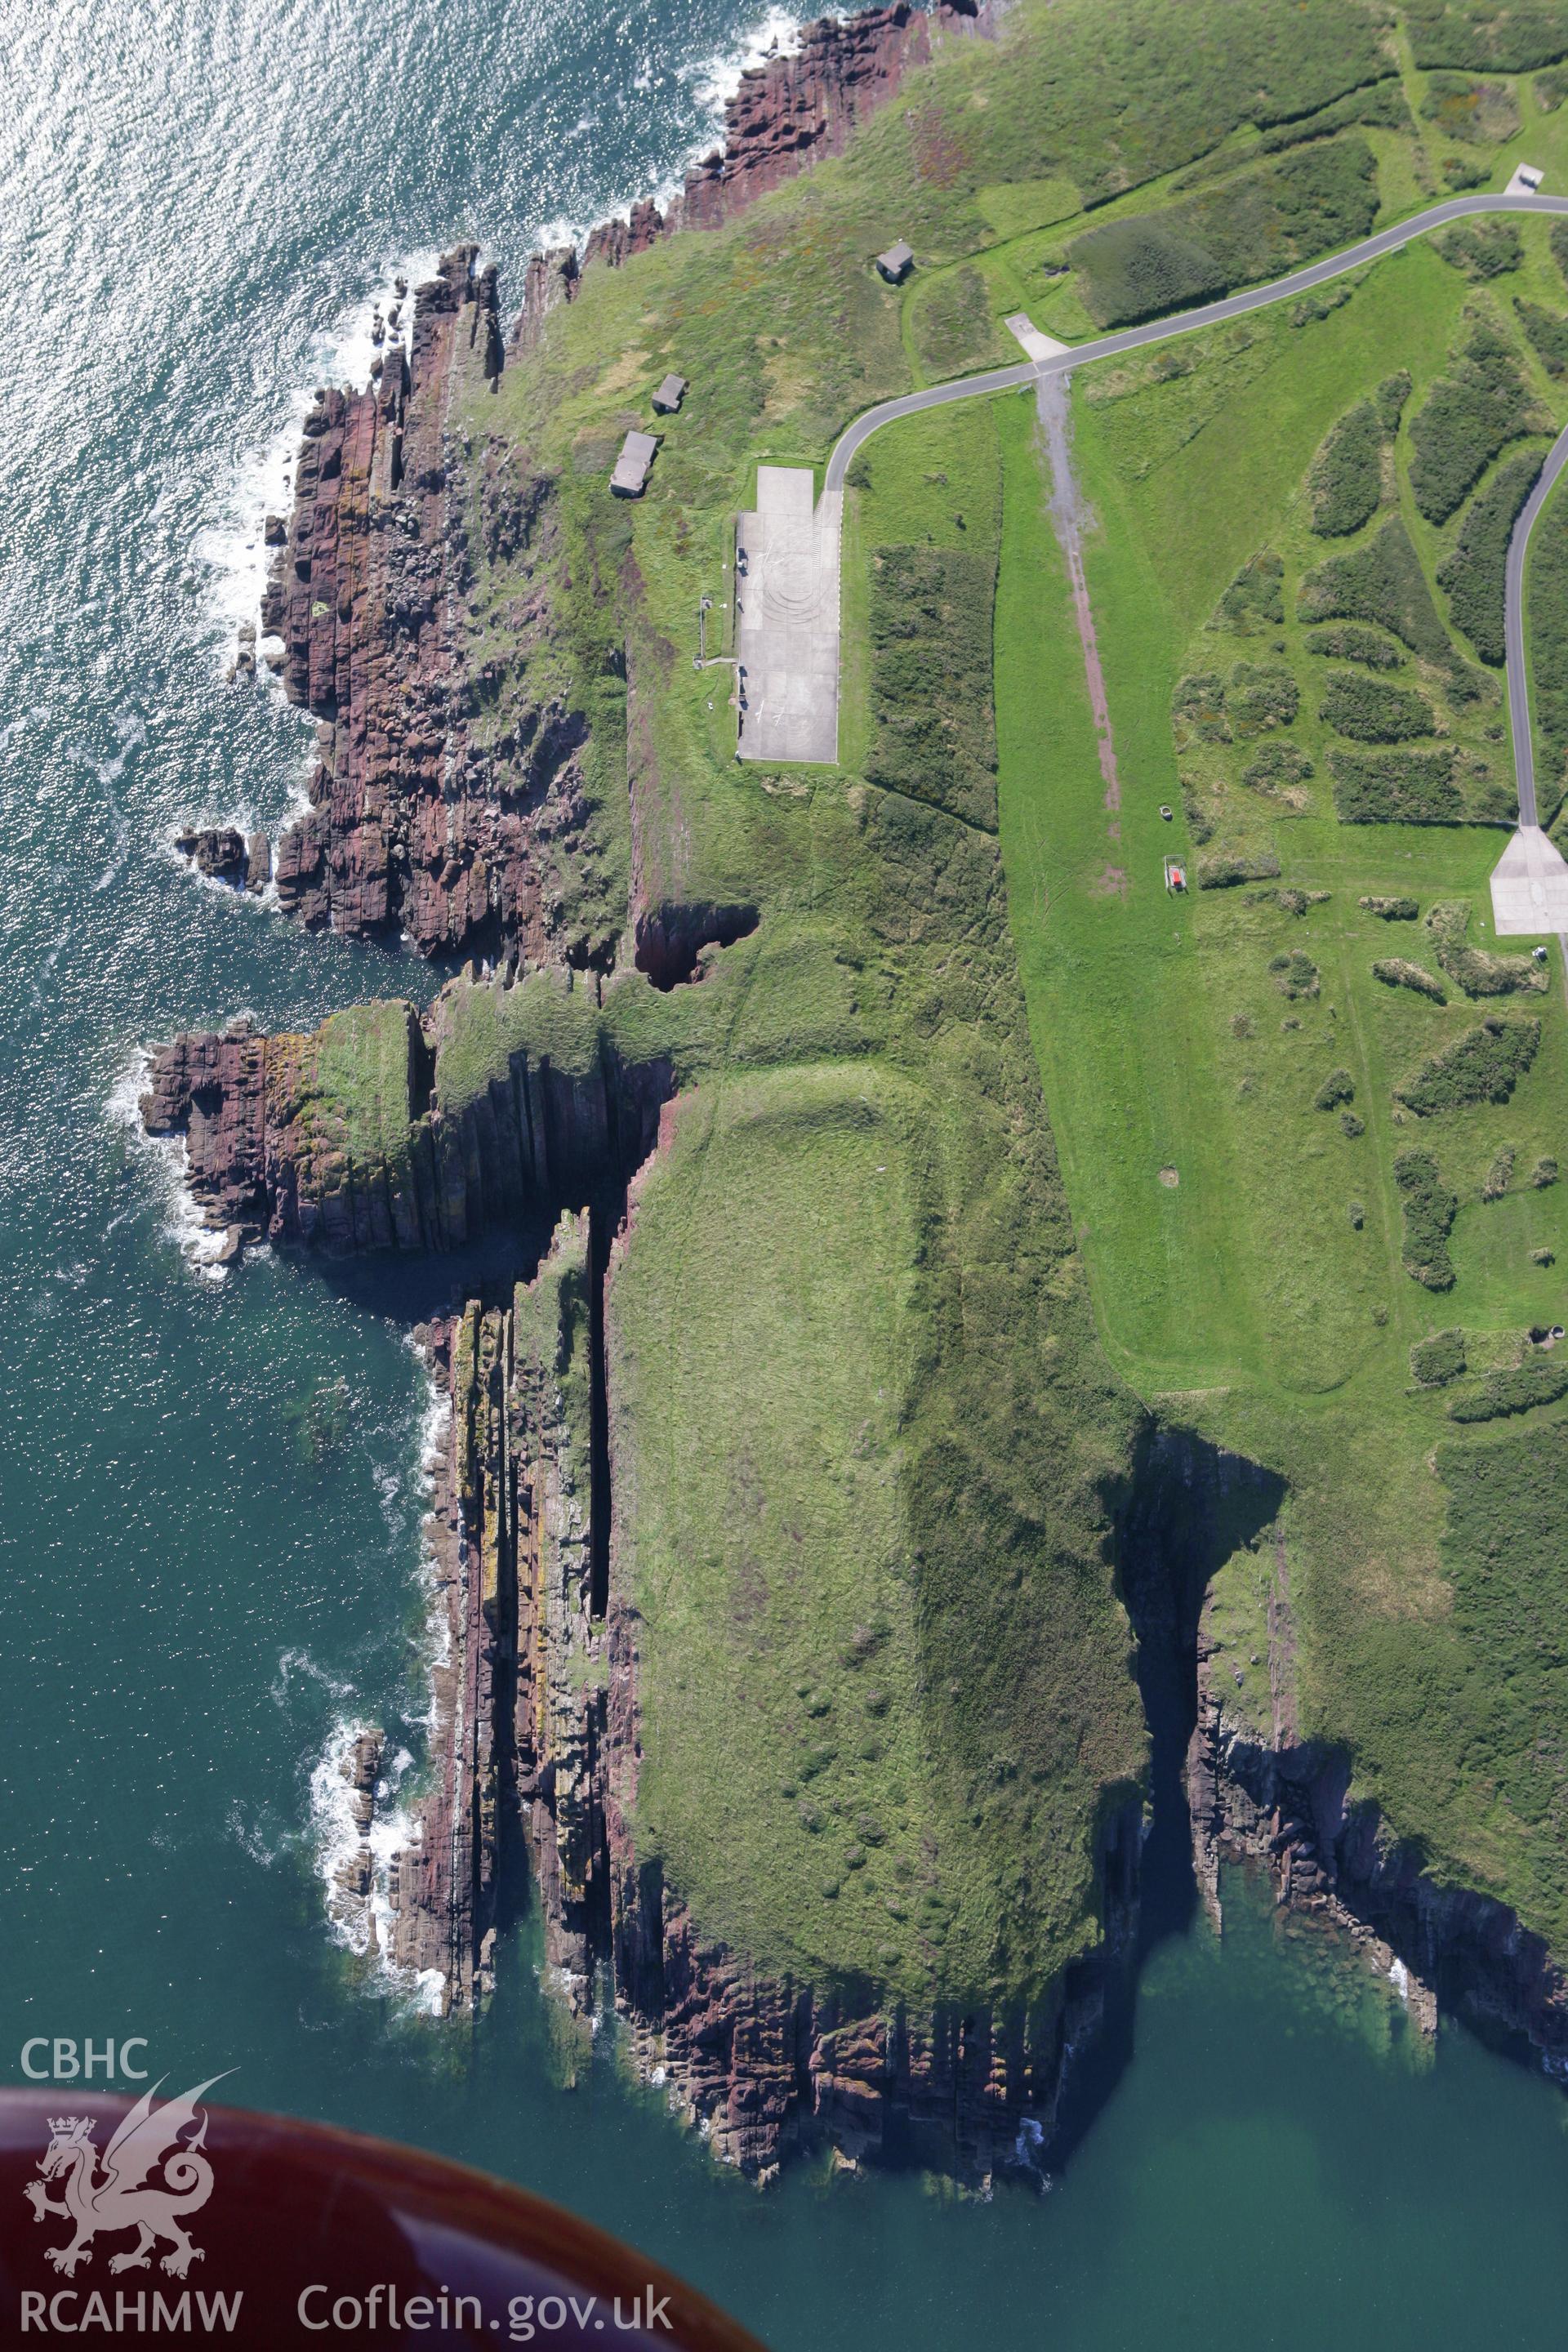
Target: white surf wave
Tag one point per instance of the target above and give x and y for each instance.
(362, 1922)
(167, 1162)
(231, 549)
(713, 80)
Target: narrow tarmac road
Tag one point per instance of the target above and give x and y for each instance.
(1236, 306)
(1513, 628)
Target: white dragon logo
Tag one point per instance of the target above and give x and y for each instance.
(123, 2197)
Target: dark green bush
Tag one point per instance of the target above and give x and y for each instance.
(1389, 400)
(1352, 1125)
(1477, 972)
(1197, 707)
(1485, 247)
(1262, 695)
(1472, 572)
(1544, 1173)
(1484, 37)
(1344, 486)
(1463, 171)
(1371, 712)
(1321, 304)
(1558, 240)
(1500, 1175)
(1437, 1361)
(1291, 902)
(1338, 1087)
(1255, 597)
(1468, 416)
(1483, 1065)
(1306, 202)
(1397, 972)
(1396, 787)
(935, 735)
(1277, 763)
(1350, 642)
(1223, 868)
(1295, 974)
(1548, 332)
(1429, 1212)
(1381, 107)
(1200, 827)
(1513, 1392)
(1477, 114)
(1392, 910)
(1547, 616)
(1550, 89)
(1382, 582)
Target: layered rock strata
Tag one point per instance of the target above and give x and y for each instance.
(223, 853)
(273, 1152)
(412, 825)
(519, 1717)
(793, 111)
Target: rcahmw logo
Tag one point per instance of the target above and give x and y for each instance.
(150, 2178)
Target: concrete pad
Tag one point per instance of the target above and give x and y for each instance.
(1526, 180)
(787, 610)
(1022, 330)
(1529, 887)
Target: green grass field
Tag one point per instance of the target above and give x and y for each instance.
(1261, 1298)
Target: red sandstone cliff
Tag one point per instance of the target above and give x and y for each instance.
(787, 113)
(412, 825)
(416, 826)
(270, 1157)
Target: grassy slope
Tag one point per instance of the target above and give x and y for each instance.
(1249, 1286)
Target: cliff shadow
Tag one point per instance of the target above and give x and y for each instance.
(1192, 1505)
(413, 1288)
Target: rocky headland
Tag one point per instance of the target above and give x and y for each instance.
(422, 824)
(532, 1776)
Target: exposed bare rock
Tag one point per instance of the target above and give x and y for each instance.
(795, 109)
(412, 827)
(551, 279)
(217, 851)
(415, 824)
(785, 114)
(616, 241)
(212, 1089)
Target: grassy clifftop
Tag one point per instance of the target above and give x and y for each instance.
(868, 1439)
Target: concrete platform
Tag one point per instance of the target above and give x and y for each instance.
(786, 609)
(1529, 887)
(1022, 330)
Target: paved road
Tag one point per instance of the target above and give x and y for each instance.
(1184, 322)
(1513, 631)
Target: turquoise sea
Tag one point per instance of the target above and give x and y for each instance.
(209, 1486)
